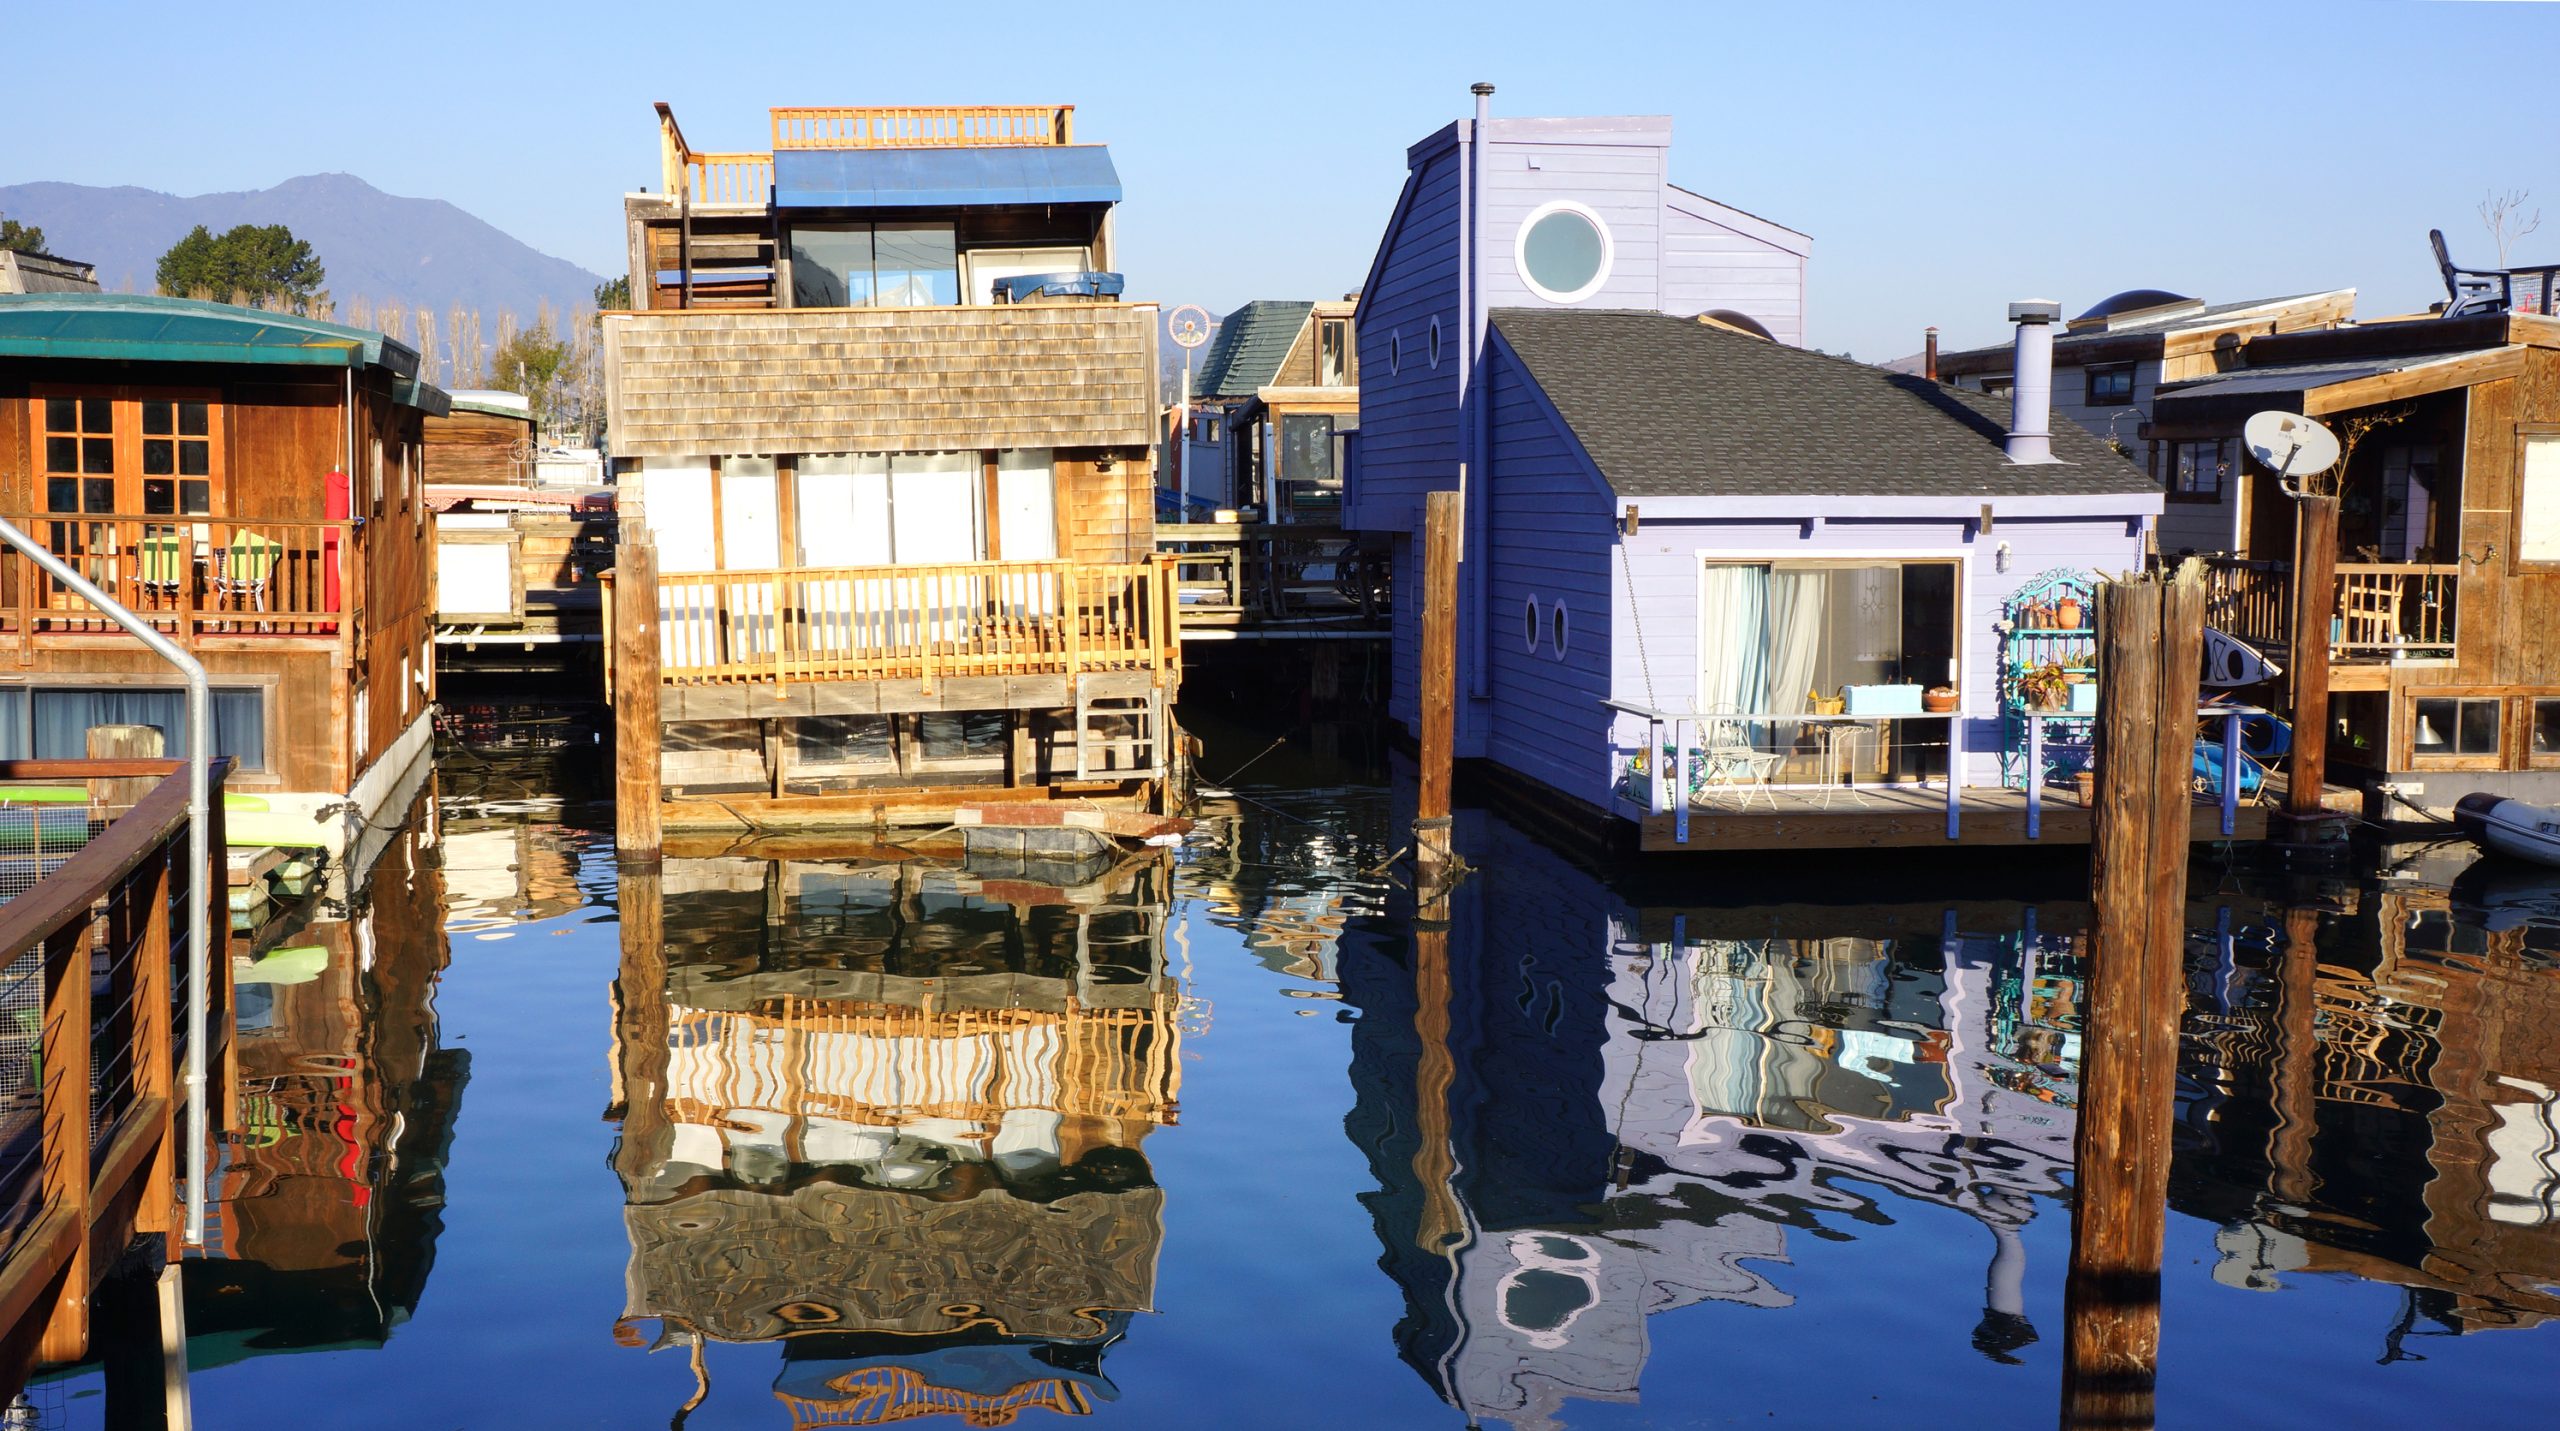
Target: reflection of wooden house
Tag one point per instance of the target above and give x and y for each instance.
(517, 562)
(892, 1117)
(323, 1226)
(250, 482)
(889, 427)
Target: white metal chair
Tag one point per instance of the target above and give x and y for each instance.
(1732, 759)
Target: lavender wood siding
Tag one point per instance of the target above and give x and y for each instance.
(1409, 407)
(1550, 537)
(1614, 167)
(1719, 257)
(1658, 593)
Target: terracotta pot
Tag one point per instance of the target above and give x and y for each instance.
(2067, 615)
(1938, 700)
(2087, 780)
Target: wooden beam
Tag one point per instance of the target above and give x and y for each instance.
(2315, 565)
(638, 834)
(2435, 377)
(1439, 679)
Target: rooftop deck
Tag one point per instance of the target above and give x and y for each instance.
(744, 179)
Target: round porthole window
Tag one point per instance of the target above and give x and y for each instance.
(1563, 252)
(1395, 351)
(1435, 342)
(1557, 615)
(1530, 624)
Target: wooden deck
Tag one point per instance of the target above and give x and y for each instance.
(1900, 817)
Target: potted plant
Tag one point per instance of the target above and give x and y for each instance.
(1939, 699)
(2045, 687)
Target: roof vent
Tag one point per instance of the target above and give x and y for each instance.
(1739, 322)
(2031, 384)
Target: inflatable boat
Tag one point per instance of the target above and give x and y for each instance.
(2511, 827)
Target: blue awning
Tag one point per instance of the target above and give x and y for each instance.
(944, 178)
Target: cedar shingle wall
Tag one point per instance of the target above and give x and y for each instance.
(881, 379)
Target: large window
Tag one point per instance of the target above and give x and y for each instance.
(53, 723)
(906, 509)
(1772, 636)
(900, 265)
(2408, 492)
(125, 450)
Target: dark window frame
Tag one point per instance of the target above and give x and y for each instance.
(2090, 378)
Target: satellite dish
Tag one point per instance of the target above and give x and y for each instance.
(2291, 446)
(1188, 325)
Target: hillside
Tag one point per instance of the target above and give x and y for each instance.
(375, 245)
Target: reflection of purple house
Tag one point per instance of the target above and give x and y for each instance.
(1708, 579)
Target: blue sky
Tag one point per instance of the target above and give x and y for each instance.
(1945, 157)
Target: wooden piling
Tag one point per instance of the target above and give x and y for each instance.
(2151, 635)
(637, 836)
(1439, 683)
(2315, 604)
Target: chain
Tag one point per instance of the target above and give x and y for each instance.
(1644, 663)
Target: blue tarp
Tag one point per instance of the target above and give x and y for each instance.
(944, 178)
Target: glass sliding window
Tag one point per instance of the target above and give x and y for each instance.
(914, 266)
(831, 266)
(1026, 506)
(844, 510)
(933, 507)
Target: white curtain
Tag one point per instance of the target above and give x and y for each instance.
(1026, 505)
(1797, 601)
(934, 507)
(751, 541)
(1733, 650)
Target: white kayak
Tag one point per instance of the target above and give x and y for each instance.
(2511, 827)
(2230, 661)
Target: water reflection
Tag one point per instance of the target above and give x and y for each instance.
(330, 1197)
(891, 1117)
(1586, 1106)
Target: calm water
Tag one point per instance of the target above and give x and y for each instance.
(1225, 1139)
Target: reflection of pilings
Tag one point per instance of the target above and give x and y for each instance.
(1435, 1161)
(2295, 1064)
(640, 1028)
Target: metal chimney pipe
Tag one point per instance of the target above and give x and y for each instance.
(1929, 354)
(2031, 381)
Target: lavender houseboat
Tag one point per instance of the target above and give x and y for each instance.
(1712, 584)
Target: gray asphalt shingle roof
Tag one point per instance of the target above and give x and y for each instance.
(1676, 408)
(1249, 348)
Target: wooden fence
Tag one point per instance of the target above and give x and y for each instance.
(196, 578)
(923, 126)
(92, 979)
(917, 622)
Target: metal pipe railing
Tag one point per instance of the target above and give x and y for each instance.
(199, 811)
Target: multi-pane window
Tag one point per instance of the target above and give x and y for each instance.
(177, 456)
(2199, 469)
(2109, 387)
(79, 454)
(2457, 725)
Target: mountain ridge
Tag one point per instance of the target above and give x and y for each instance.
(374, 245)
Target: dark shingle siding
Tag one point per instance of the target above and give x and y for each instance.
(1675, 408)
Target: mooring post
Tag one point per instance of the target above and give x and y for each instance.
(1439, 683)
(2315, 609)
(2151, 635)
(635, 702)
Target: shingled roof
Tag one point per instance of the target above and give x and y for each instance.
(1249, 348)
(1671, 407)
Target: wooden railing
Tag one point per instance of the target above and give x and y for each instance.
(92, 975)
(2251, 601)
(740, 179)
(1244, 573)
(2385, 610)
(917, 622)
(2396, 612)
(923, 126)
(193, 577)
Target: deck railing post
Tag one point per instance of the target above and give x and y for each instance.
(1955, 774)
(1657, 767)
(2230, 773)
(153, 1074)
(1683, 735)
(2035, 775)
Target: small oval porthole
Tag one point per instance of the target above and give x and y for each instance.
(1395, 351)
(1530, 623)
(1563, 628)
(1435, 342)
